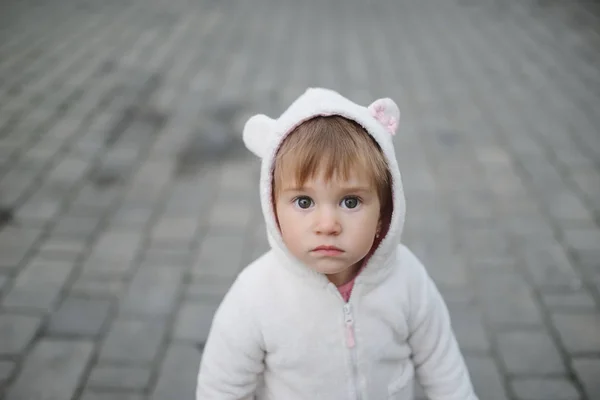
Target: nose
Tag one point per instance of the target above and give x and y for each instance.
(327, 222)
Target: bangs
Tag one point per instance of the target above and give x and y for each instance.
(333, 146)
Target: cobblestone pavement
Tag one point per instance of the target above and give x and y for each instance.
(128, 203)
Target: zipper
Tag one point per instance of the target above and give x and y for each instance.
(349, 320)
(351, 344)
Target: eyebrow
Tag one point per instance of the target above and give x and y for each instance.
(356, 189)
(293, 189)
(342, 189)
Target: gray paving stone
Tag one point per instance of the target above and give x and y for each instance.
(15, 184)
(44, 272)
(507, 300)
(567, 206)
(230, 215)
(79, 317)
(486, 377)
(75, 226)
(90, 287)
(178, 373)
(485, 241)
(451, 271)
(583, 239)
(117, 244)
(220, 255)
(550, 266)
(39, 210)
(38, 285)
(579, 332)
(16, 331)
(44, 149)
(544, 389)
(68, 172)
(36, 381)
(61, 249)
(205, 287)
(32, 297)
(93, 395)
(91, 197)
(468, 326)
(573, 301)
(119, 377)
(515, 123)
(17, 238)
(240, 176)
(174, 230)
(107, 266)
(588, 180)
(461, 299)
(12, 258)
(133, 341)
(3, 281)
(153, 291)
(193, 321)
(588, 371)
(168, 257)
(6, 370)
(589, 261)
(529, 353)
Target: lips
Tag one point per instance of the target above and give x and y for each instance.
(328, 250)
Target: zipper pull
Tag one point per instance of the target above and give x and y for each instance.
(350, 342)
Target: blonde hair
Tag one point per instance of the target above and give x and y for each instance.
(335, 146)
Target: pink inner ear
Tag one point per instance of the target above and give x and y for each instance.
(392, 125)
(377, 109)
(389, 122)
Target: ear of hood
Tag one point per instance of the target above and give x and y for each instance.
(263, 135)
(259, 131)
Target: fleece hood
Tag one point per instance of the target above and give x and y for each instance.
(263, 136)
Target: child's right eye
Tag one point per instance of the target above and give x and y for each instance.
(303, 202)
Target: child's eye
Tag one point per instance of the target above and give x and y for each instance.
(350, 202)
(303, 202)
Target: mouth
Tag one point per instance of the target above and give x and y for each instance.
(327, 250)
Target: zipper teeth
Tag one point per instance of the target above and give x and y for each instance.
(355, 373)
(349, 321)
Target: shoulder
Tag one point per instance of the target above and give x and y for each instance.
(256, 273)
(410, 272)
(247, 288)
(402, 278)
(258, 280)
(421, 290)
(408, 263)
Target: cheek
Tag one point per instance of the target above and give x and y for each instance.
(292, 231)
(368, 231)
(366, 225)
(289, 222)
(369, 220)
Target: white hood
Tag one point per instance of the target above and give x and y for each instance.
(263, 136)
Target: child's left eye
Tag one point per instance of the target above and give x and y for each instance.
(350, 202)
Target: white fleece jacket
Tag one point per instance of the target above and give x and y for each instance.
(284, 332)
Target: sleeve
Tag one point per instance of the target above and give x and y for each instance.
(439, 364)
(232, 359)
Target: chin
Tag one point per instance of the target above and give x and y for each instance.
(329, 267)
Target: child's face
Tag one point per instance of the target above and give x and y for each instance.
(329, 225)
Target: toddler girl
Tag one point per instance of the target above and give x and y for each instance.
(338, 309)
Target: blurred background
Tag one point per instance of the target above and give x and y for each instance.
(128, 202)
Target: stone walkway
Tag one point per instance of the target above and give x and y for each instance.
(128, 203)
